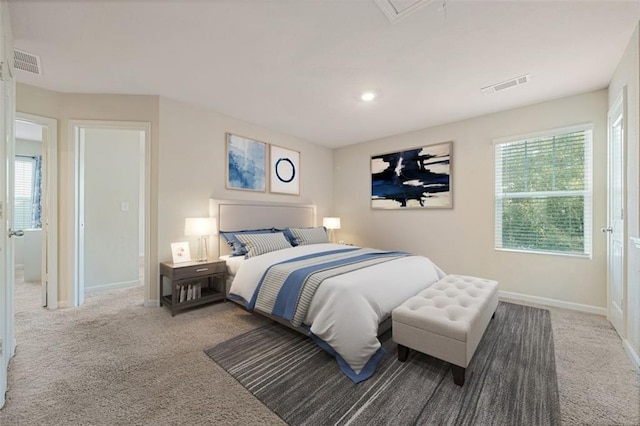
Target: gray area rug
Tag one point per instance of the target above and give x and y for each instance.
(510, 381)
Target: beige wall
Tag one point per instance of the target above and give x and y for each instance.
(192, 164)
(69, 106)
(187, 165)
(461, 240)
(188, 161)
(111, 231)
(628, 74)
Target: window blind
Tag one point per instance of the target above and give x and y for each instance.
(543, 195)
(24, 192)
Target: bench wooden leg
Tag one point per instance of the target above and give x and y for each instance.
(458, 374)
(403, 353)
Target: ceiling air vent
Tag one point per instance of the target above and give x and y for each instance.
(396, 10)
(26, 62)
(517, 81)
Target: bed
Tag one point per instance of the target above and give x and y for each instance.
(346, 291)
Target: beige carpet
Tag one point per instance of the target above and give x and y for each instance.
(114, 362)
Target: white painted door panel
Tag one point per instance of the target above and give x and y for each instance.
(615, 229)
(6, 213)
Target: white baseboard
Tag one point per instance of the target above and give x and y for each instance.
(62, 304)
(152, 303)
(633, 356)
(111, 286)
(519, 297)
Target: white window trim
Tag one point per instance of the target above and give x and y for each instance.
(587, 193)
(544, 133)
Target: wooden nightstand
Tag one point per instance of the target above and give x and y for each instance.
(193, 284)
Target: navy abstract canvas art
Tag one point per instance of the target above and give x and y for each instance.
(246, 163)
(414, 178)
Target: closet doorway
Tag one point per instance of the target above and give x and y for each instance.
(112, 206)
(35, 204)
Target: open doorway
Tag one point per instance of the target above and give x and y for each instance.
(112, 188)
(35, 206)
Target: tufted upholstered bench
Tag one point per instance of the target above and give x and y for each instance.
(446, 320)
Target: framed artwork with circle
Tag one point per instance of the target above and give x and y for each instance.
(285, 171)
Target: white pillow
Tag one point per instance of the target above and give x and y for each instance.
(306, 236)
(258, 244)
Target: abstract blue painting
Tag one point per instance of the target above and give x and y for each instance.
(414, 178)
(246, 163)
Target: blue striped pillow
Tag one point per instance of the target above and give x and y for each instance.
(237, 247)
(287, 233)
(258, 244)
(306, 236)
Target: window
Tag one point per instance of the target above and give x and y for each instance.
(543, 192)
(27, 193)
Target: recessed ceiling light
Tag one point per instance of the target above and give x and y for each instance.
(368, 96)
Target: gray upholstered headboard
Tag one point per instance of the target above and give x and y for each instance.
(234, 215)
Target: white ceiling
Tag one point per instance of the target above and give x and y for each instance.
(299, 67)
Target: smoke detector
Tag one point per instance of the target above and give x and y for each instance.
(508, 84)
(26, 61)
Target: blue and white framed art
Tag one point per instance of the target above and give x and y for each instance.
(416, 178)
(246, 164)
(285, 171)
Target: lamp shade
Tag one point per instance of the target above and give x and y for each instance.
(199, 226)
(331, 222)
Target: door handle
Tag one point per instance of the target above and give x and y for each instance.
(16, 233)
(607, 229)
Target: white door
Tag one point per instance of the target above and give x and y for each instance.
(6, 264)
(49, 210)
(7, 341)
(43, 210)
(615, 208)
(7, 113)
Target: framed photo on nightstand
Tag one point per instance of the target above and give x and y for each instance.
(180, 252)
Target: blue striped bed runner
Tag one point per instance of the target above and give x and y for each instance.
(287, 288)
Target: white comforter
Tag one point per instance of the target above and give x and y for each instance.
(346, 309)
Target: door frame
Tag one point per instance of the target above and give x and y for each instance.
(75, 127)
(49, 205)
(619, 104)
(7, 255)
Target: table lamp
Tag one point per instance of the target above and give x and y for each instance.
(201, 227)
(331, 223)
